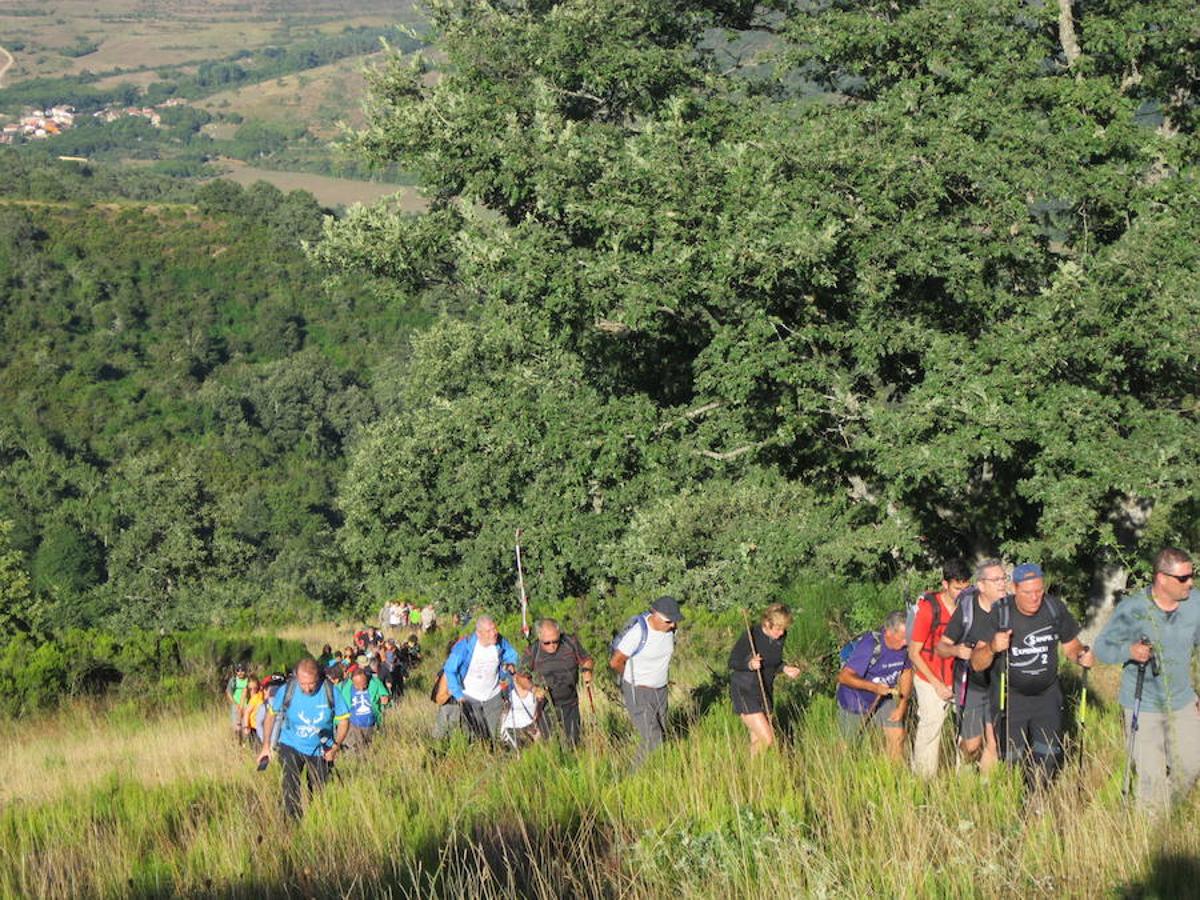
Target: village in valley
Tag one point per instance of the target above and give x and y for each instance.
(42, 124)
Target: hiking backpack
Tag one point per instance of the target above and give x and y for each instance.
(288, 693)
(440, 692)
(638, 621)
(876, 650)
(910, 619)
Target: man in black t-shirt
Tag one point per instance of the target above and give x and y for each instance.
(556, 661)
(972, 624)
(1029, 627)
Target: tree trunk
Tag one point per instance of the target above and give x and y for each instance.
(1066, 32)
(1110, 578)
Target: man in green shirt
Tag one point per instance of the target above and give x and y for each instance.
(1164, 620)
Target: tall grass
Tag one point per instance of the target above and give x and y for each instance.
(172, 807)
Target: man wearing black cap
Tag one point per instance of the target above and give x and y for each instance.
(1023, 656)
(642, 656)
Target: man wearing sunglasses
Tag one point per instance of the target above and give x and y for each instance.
(1164, 620)
(558, 659)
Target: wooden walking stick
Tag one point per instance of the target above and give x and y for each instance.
(521, 589)
(762, 689)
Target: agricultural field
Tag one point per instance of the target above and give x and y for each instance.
(66, 37)
(320, 97)
(329, 191)
(271, 84)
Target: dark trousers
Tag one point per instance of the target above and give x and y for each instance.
(562, 719)
(1030, 732)
(316, 771)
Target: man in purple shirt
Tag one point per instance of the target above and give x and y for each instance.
(875, 684)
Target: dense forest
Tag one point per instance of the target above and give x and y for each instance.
(688, 321)
(180, 390)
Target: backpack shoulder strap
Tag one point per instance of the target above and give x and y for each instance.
(1053, 606)
(645, 633)
(288, 690)
(638, 621)
(573, 644)
(878, 651)
(935, 605)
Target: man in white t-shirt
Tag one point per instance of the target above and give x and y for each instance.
(642, 657)
(474, 671)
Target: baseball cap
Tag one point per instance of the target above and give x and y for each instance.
(668, 608)
(1026, 572)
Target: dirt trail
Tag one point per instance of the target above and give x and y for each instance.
(8, 65)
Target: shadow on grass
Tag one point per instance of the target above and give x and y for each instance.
(502, 859)
(681, 719)
(1169, 875)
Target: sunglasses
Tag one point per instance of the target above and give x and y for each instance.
(553, 643)
(1182, 579)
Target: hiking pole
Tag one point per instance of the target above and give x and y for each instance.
(521, 589)
(1137, 709)
(1133, 725)
(1005, 699)
(762, 689)
(961, 702)
(1083, 711)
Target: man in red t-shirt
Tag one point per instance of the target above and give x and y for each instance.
(934, 675)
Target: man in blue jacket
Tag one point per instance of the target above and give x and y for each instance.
(1166, 752)
(474, 672)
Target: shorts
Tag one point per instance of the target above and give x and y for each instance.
(976, 714)
(852, 723)
(748, 698)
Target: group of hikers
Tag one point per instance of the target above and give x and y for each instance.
(401, 614)
(973, 652)
(334, 702)
(991, 658)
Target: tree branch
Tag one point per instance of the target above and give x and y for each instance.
(690, 416)
(729, 454)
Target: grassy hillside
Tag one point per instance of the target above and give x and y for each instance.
(266, 84)
(321, 97)
(329, 190)
(153, 804)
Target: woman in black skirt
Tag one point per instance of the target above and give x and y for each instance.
(745, 664)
